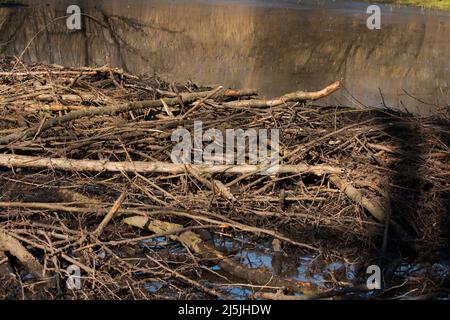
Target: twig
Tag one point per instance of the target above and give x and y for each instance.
(110, 214)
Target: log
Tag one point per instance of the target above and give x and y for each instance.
(18, 161)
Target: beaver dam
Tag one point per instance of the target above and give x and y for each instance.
(88, 185)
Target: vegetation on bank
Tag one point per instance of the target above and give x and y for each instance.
(437, 4)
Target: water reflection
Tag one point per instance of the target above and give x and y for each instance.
(276, 46)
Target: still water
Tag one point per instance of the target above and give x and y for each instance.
(275, 46)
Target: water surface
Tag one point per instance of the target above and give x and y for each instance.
(275, 46)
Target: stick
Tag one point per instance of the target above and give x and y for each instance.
(11, 161)
(110, 214)
(290, 97)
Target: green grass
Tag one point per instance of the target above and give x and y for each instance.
(437, 4)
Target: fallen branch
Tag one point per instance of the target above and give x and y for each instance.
(290, 97)
(12, 161)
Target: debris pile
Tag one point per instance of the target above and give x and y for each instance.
(88, 184)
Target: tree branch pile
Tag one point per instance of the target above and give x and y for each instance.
(87, 182)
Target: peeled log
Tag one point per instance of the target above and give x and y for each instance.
(17, 161)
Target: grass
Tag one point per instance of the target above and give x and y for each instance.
(437, 4)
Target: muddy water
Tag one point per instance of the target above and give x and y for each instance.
(276, 46)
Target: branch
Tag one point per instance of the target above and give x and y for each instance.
(113, 110)
(11, 161)
(290, 97)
